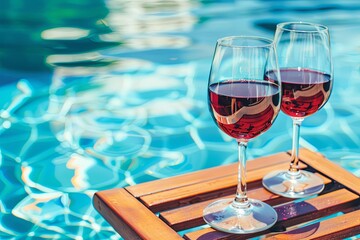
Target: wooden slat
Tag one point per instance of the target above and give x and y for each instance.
(334, 171)
(190, 215)
(292, 213)
(335, 228)
(207, 174)
(205, 190)
(128, 216)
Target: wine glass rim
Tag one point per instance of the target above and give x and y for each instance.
(318, 27)
(267, 42)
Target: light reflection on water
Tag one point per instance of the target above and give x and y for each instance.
(104, 94)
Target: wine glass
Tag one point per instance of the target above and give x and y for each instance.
(306, 70)
(244, 103)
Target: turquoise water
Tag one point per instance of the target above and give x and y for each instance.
(104, 94)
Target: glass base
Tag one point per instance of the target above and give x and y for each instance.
(290, 185)
(228, 216)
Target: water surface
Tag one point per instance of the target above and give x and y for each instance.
(104, 94)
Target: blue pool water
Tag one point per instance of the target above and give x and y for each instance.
(103, 94)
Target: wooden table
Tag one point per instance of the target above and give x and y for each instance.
(171, 208)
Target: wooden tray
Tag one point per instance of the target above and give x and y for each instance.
(171, 208)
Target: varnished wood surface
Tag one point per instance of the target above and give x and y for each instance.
(158, 209)
(130, 217)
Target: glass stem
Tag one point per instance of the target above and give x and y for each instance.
(294, 164)
(241, 199)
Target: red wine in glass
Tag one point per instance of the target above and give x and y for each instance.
(244, 109)
(305, 65)
(304, 91)
(243, 104)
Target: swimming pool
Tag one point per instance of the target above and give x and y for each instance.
(116, 95)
